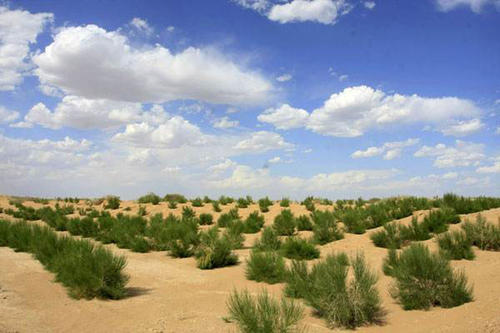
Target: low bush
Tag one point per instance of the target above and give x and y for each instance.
(87, 270)
(285, 223)
(394, 235)
(268, 240)
(181, 236)
(112, 202)
(197, 202)
(425, 279)
(264, 204)
(226, 219)
(172, 205)
(188, 213)
(298, 281)
(299, 249)
(253, 223)
(216, 206)
(149, 198)
(178, 198)
(225, 200)
(206, 199)
(266, 267)
(264, 314)
(304, 223)
(285, 202)
(309, 204)
(142, 211)
(234, 234)
(242, 203)
(325, 227)
(455, 245)
(85, 227)
(355, 220)
(214, 251)
(464, 205)
(437, 220)
(482, 234)
(206, 219)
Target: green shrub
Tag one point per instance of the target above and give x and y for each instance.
(268, 267)
(285, 223)
(325, 227)
(234, 234)
(225, 200)
(188, 213)
(206, 219)
(455, 245)
(182, 237)
(304, 223)
(216, 206)
(197, 202)
(112, 202)
(242, 203)
(298, 281)
(285, 202)
(226, 219)
(264, 204)
(206, 199)
(253, 223)
(85, 227)
(142, 211)
(268, 241)
(172, 205)
(425, 279)
(309, 204)
(178, 198)
(214, 251)
(437, 220)
(355, 220)
(463, 205)
(264, 314)
(298, 248)
(484, 235)
(149, 198)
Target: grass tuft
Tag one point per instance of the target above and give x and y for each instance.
(266, 267)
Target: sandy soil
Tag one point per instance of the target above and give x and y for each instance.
(172, 295)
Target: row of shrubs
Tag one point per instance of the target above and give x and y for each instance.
(87, 270)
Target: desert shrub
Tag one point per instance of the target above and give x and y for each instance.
(206, 199)
(355, 220)
(85, 227)
(266, 267)
(253, 223)
(216, 206)
(304, 223)
(173, 197)
(112, 202)
(206, 219)
(149, 198)
(172, 205)
(225, 200)
(437, 220)
(299, 248)
(234, 234)
(264, 314)
(188, 213)
(214, 251)
(326, 202)
(309, 204)
(197, 202)
(127, 209)
(285, 202)
(285, 223)
(455, 245)
(325, 227)
(142, 211)
(396, 235)
(87, 270)
(182, 237)
(463, 205)
(124, 231)
(264, 204)
(268, 240)
(342, 302)
(425, 279)
(242, 203)
(484, 235)
(226, 219)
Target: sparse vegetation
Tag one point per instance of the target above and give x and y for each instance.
(482, 234)
(197, 202)
(285, 202)
(178, 198)
(214, 251)
(188, 213)
(285, 223)
(226, 219)
(149, 198)
(206, 219)
(268, 241)
(299, 248)
(216, 206)
(304, 223)
(455, 245)
(267, 266)
(325, 227)
(112, 202)
(264, 204)
(253, 223)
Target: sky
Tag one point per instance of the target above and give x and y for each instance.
(285, 98)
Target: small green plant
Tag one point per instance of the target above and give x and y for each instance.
(264, 314)
(178, 198)
(253, 223)
(299, 249)
(264, 204)
(206, 199)
(304, 223)
(142, 211)
(182, 237)
(325, 227)
(309, 204)
(188, 213)
(285, 202)
(484, 235)
(242, 203)
(149, 198)
(285, 223)
(206, 219)
(455, 245)
(425, 279)
(216, 206)
(112, 202)
(268, 241)
(226, 219)
(268, 267)
(234, 234)
(214, 251)
(197, 202)
(172, 205)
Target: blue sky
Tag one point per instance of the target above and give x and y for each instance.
(336, 98)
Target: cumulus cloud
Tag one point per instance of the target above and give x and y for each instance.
(475, 5)
(262, 141)
(392, 149)
(142, 25)
(7, 116)
(274, 160)
(284, 117)
(91, 62)
(464, 154)
(321, 11)
(369, 4)
(284, 77)
(18, 30)
(463, 128)
(225, 122)
(495, 168)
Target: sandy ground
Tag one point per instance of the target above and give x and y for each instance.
(173, 295)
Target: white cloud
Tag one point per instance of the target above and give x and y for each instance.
(450, 175)
(495, 168)
(284, 117)
(94, 63)
(142, 25)
(223, 166)
(321, 11)
(475, 5)
(225, 122)
(263, 141)
(343, 77)
(464, 154)
(357, 109)
(7, 116)
(284, 77)
(274, 160)
(257, 5)
(391, 149)
(18, 30)
(170, 28)
(463, 128)
(369, 4)
(498, 130)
